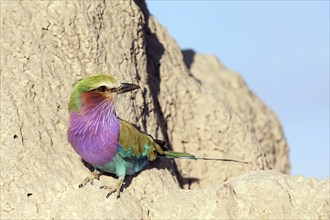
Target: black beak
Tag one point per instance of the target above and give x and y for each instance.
(126, 87)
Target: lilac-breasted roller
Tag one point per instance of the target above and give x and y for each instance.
(107, 142)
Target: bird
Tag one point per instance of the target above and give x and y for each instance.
(104, 140)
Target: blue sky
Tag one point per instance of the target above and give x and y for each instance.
(281, 48)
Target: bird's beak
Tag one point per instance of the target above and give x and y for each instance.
(126, 87)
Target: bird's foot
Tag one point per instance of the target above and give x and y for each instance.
(114, 189)
(89, 179)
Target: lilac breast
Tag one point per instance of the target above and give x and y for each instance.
(93, 133)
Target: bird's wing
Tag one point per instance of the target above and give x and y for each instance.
(135, 143)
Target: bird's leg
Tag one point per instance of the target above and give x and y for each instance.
(94, 175)
(111, 189)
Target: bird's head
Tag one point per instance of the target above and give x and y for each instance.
(97, 88)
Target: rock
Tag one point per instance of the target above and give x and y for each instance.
(228, 87)
(256, 195)
(189, 100)
(196, 121)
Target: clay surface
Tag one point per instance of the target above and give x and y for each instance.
(189, 100)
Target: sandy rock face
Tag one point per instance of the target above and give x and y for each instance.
(228, 87)
(256, 195)
(189, 100)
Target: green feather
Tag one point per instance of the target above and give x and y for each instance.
(172, 154)
(136, 143)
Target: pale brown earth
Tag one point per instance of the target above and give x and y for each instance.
(190, 100)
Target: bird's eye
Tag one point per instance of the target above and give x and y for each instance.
(102, 89)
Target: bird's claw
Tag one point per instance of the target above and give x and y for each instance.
(111, 190)
(114, 189)
(90, 178)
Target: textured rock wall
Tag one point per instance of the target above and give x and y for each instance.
(228, 87)
(198, 122)
(187, 99)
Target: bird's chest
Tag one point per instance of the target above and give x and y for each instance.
(95, 141)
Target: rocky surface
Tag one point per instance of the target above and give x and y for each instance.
(187, 99)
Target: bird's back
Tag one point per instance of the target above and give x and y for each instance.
(135, 143)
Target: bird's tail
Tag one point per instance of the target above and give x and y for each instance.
(181, 155)
(173, 154)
